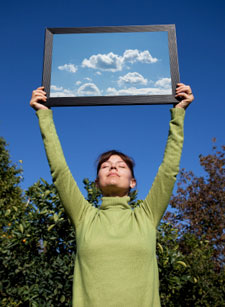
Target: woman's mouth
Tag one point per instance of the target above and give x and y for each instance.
(113, 174)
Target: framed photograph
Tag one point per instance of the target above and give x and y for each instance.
(110, 65)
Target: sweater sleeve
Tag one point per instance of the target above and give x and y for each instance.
(159, 195)
(69, 193)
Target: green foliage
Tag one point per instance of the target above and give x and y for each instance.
(173, 269)
(38, 245)
(10, 193)
(93, 193)
(187, 279)
(38, 253)
(207, 287)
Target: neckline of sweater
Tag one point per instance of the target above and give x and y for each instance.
(115, 203)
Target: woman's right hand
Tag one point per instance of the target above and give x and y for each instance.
(37, 95)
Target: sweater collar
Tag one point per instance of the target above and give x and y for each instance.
(115, 203)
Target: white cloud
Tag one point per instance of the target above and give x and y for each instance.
(55, 88)
(61, 92)
(67, 92)
(68, 67)
(114, 62)
(111, 91)
(64, 93)
(108, 62)
(78, 83)
(98, 73)
(88, 79)
(137, 91)
(134, 55)
(163, 83)
(89, 89)
(133, 78)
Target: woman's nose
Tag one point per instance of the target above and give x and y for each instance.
(113, 166)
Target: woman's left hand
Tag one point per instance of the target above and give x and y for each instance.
(184, 93)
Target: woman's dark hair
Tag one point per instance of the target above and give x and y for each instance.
(106, 155)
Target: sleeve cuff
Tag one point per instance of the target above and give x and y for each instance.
(177, 112)
(44, 113)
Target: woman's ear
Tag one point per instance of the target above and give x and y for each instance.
(132, 183)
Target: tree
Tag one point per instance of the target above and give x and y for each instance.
(10, 192)
(200, 204)
(38, 243)
(173, 271)
(38, 247)
(38, 255)
(187, 279)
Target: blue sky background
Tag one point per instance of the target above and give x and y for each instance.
(101, 64)
(85, 132)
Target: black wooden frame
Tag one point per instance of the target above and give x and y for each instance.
(110, 100)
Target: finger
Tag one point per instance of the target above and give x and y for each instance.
(182, 84)
(182, 95)
(40, 88)
(184, 88)
(185, 97)
(37, 98)
(184, 92)
(40, 91)
(40, 95)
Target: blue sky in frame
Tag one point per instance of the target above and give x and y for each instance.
(85, 132)
(105, 64)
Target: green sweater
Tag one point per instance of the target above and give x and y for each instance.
(116, 262)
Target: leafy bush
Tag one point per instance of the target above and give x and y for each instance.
(38, 244)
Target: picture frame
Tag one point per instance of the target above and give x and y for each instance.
(116, 65)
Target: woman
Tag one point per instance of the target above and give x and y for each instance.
(116, 261)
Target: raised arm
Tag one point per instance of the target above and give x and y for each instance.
(159, 195)
(70, 195)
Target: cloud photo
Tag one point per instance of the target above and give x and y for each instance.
(115, 66)
(68, 67)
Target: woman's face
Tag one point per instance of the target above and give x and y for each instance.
(114, 177)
